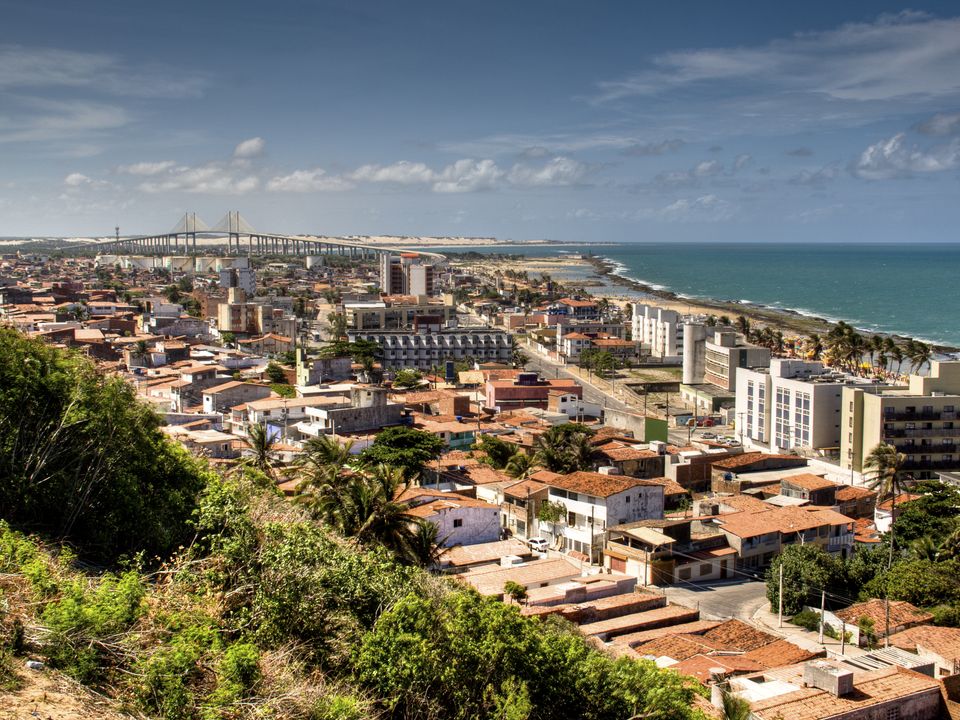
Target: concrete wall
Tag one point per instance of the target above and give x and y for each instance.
(479, 525)
(645, 429)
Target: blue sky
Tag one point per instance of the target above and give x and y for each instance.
(584, 121)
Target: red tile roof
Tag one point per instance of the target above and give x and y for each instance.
(591, 483)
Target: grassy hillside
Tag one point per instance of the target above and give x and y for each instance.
(261, 611)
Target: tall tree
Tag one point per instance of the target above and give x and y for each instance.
(403, 447)
(261, 444)
(565, 448)
(519, 466)
(885, 475)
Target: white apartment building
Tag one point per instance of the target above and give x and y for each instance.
(593, 502)
(791, 404)
(423, 350)
(660, 330)
(713, 355)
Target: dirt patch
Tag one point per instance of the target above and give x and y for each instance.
(49, 695)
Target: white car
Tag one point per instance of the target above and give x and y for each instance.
(538, 543)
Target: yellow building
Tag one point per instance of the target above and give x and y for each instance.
(919, 419)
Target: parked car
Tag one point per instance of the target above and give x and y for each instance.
(708, 435)
(538, 543)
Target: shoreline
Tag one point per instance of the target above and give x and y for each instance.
(780, 318)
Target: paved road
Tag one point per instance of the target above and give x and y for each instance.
(721, 600)
(550, 369)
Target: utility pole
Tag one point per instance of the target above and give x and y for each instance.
(780, 609)
(886, 635)
(823, 607)
(843, 636)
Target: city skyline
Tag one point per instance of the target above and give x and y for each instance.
(542, 120)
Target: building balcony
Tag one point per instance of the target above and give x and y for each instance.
(935, 415)
(914, 449)
(921, 432)
(932, 464)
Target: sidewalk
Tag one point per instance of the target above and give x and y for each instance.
(602, 386)
(807, 639)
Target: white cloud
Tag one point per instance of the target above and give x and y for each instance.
(653, 148)
(741, 161)
(402, 173)
(560, 171)
(816, 214)
(821, 176)
(147, 168)
(894, 157)
(77, 179)
(250, 148)
(708, 168)
(308, 181)
(941, 124)
(210, 179)
(468, 176)
(42, 120)
(706, 208)
(31, 67)
(910, 54)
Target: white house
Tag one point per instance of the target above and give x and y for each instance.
(460, 520)
(594, 500)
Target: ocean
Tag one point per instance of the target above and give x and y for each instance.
(909, 289)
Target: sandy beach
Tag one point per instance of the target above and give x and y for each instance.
(596, 276)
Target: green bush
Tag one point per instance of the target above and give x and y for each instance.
(82, 617)
(166, 678)
(81, 458)
(808, 619)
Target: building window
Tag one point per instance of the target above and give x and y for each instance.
(705, 569)
(458, 522)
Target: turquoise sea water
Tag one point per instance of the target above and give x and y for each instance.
(908, 289)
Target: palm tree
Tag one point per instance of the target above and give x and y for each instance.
(877, 348)
(884, 467)
(919, 354)
(814, 345)
(425, 547)
(735, 707)
(519, 466)
(140, 349)
(564, 449)
(363, 506)
(338, 325)
(261, 443)
(322, 453)
(742, 325)
(896, 354)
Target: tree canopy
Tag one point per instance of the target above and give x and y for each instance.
(403, 447)
(82, 460)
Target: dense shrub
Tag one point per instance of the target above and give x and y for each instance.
(82, 459)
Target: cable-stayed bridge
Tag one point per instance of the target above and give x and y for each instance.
(233, 235)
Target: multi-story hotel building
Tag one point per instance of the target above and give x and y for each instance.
(920, 420)
(791, 404)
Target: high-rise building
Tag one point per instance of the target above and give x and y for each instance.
(791, 404)
(919, 419)
(243, 278)
(406, 274)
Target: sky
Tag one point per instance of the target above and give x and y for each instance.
(577, 121)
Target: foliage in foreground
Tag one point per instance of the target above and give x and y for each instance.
(269, 615)
(82, 460)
